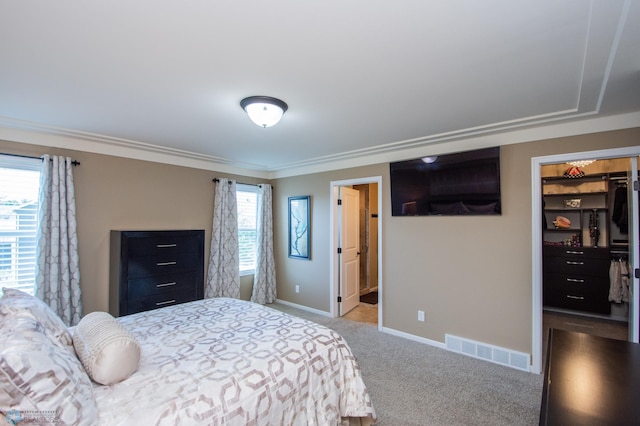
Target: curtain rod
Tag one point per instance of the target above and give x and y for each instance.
(73, 162)
(216, 180)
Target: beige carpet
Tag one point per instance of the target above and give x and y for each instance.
(413, 384)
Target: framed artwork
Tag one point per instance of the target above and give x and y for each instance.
(299, 227)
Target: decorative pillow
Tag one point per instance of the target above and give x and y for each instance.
(108, 352)
(18, 303)
(41, 378)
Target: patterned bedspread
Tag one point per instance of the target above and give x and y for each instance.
(229, 362)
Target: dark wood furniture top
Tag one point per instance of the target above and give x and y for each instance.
(590, 380)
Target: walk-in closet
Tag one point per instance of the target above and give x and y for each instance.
(585, 246)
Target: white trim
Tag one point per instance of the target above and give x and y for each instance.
(333, 238)
(536, 240)
(635, 260)
(612, 52)
(536, 262)
(415, 338)
(507, 133)
(305, 308)
(436, 145)
(99, 144)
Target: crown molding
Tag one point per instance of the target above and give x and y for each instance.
(40, 134)
(546, 127)
(476, 138)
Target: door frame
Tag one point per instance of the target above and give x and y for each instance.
(536, 240)
(333, 242)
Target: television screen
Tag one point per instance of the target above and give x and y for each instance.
(464, 183)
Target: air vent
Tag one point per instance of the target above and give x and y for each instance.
(495, 354)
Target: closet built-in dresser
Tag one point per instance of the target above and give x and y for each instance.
(577, 278)
(153, 269)
(576, 237)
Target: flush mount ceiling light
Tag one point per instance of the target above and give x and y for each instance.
(265, 111)
(580, 163)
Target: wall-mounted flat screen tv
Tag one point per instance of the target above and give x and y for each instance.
(463, 183)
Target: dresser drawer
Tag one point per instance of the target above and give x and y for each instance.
(577, 284)
(585, 293)
(162, 284)
(162, 246)
(575, 265)
(576, 252)
(161, 265)
(159, 301)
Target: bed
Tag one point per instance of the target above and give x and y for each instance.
(216, 361)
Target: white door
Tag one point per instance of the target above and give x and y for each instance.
(349, 249)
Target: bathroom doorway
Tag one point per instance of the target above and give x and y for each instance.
(370, 252)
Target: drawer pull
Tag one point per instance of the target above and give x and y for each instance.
(165, 303)
(574, 252)
(166, 263)
(575, 280)
(165, 284)
(575, 297)
(574, 263)
(166, 245)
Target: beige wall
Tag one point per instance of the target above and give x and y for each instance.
(311, 275)
(119, 193)
(471, 275)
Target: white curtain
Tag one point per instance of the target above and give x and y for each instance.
(57, 272)
(264, 281)
(223, 277)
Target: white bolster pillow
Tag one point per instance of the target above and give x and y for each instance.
(107, 350)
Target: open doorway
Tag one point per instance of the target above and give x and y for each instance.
(369, 248)
(585, 207)
(368, 215)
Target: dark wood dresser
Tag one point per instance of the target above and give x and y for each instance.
(577, 278)
(152, 269)
(590, 380)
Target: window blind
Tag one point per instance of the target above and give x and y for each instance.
(19, 187)
(247, 200)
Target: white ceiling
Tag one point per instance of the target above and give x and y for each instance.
(360, 77)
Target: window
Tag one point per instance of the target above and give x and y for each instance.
(19, 187)
(247, 198)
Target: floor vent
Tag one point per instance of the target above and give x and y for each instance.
(513, 359)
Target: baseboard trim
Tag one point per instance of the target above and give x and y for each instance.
(482, 351)
(414, 337)
(496, 355)
(305, 308)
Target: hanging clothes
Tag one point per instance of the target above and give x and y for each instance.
(625, 279)
(615, 282)
(619, 281)
(619, 216)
